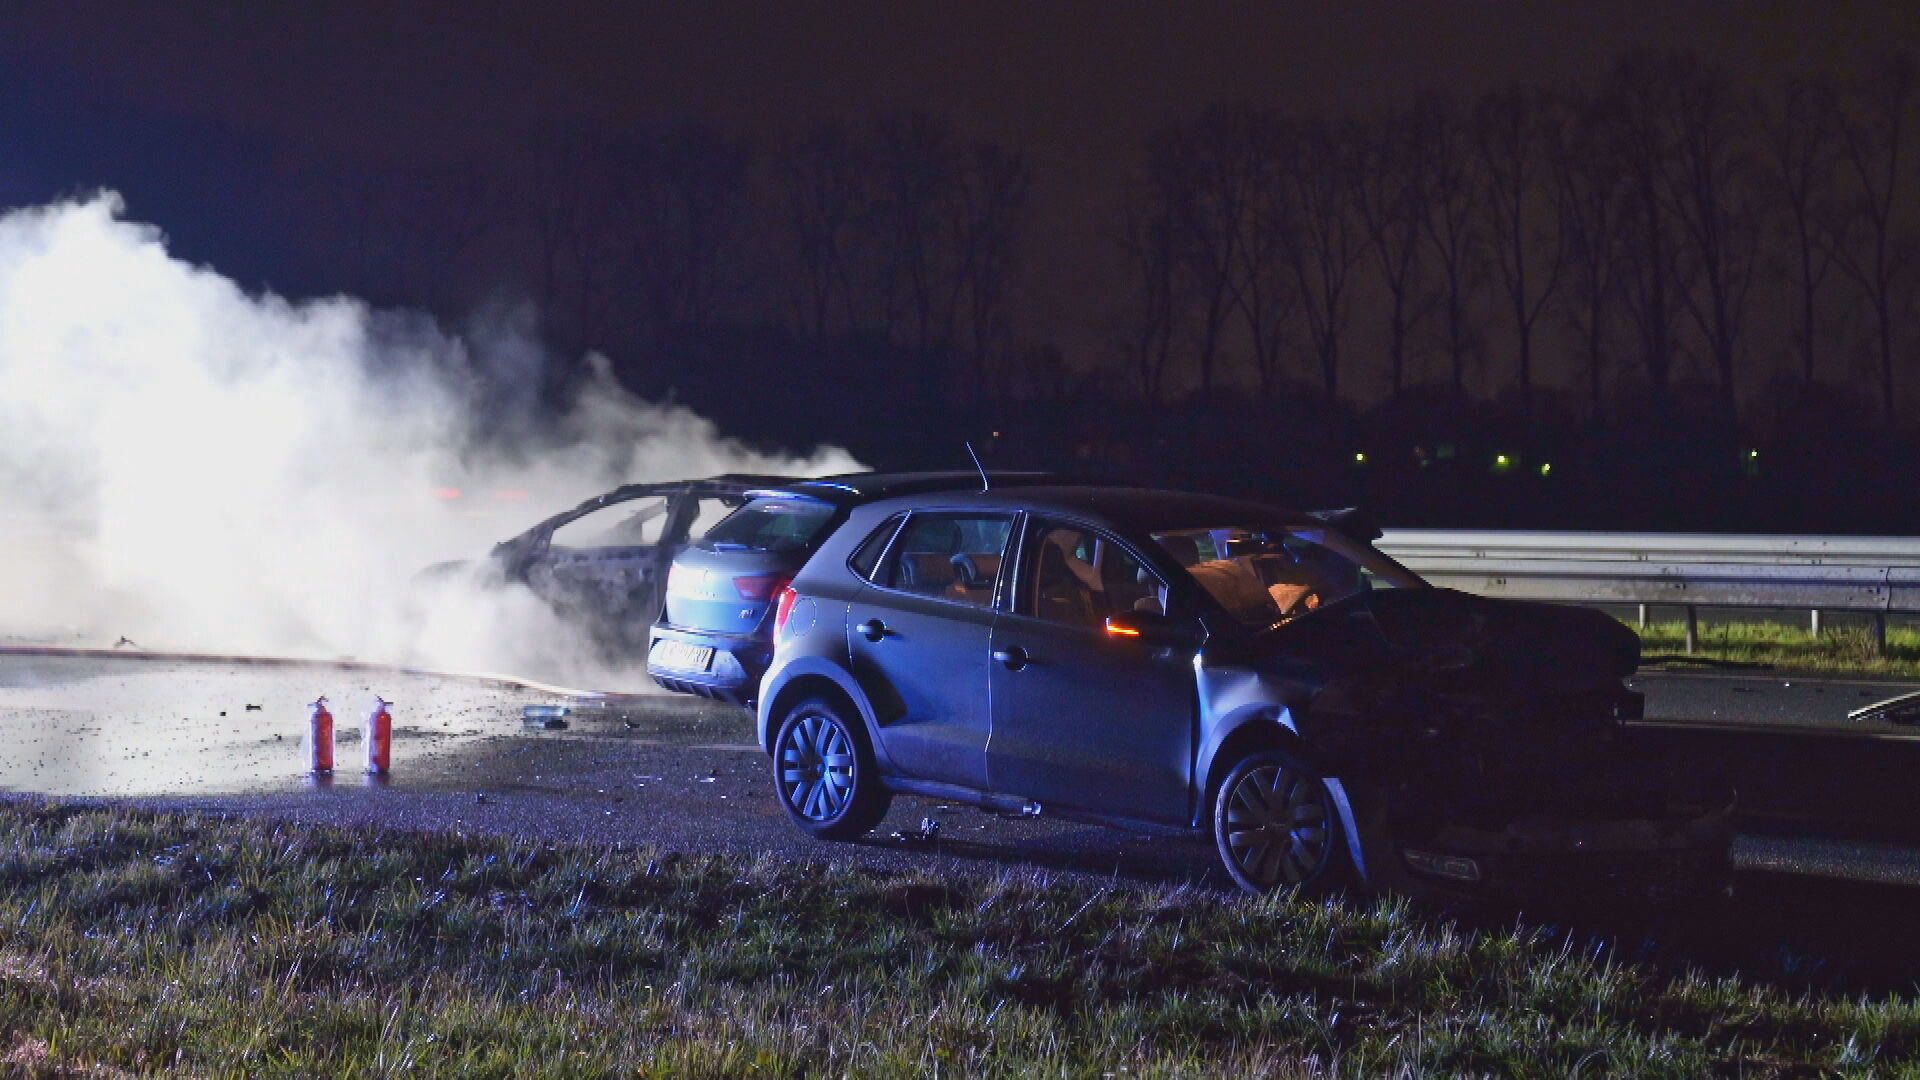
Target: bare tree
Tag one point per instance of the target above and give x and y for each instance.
(1265, 291)
(1589, 204)
(993, 195)
(685, 192)
(1390, 191)
(1453, 227)
(1215, 164)
(1653, 277)
(1318, 170)
(1870, 245)
(1709, 179)
(1801, 154)
(1513, 132)
(822, 197)
(1153, 320)
(918, 157)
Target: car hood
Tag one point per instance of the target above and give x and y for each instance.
(1457, 641)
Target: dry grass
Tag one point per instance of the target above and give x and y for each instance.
(1844, 651)
(133, 943)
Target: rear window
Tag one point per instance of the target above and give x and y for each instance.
(778, 525)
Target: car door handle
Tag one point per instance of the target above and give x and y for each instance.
(1014, 659)
(873, 629)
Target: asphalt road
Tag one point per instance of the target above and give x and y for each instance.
(681, 774)
(677, 772)
(666, 770)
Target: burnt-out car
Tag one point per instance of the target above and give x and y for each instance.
(1174, 662)
(601, 566)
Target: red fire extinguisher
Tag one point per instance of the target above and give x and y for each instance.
(319, 737)
(379, 737)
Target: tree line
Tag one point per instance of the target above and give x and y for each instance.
(1661, 228)
(1629, 230)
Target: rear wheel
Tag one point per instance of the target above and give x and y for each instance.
(1275, 826)
(823, 772)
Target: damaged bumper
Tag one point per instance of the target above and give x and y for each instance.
(1543, 851)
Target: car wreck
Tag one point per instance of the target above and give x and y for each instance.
(1172, 662)
(602, 565)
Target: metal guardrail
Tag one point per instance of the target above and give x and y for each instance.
(1876, 575)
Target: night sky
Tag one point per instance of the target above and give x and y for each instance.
(206, 114)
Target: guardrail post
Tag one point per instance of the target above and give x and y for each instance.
(1693, 630)
(1879, 633)
(1813, 624)
(1643, 616)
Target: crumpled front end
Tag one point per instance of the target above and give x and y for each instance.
(1490, 738)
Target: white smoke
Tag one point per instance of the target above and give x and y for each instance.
(191, 466)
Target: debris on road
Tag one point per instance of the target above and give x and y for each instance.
(927, 833)
(544, 717)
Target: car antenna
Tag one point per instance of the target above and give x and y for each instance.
(984, 486)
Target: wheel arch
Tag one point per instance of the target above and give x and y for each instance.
(793, 686)
(1273, 727)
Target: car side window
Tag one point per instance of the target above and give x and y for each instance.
(950, 556)
(628, 523)
(866, 560)
(1080, 577)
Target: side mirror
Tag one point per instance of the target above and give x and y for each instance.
(1152, 628)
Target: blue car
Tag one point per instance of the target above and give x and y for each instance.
(714, 636)
(1169, 662)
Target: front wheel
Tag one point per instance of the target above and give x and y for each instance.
(1275, 826)
(824, 775)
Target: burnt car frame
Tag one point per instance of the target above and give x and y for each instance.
(1081, 655)
(610, 582)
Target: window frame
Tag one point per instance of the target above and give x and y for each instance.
(1031, 527)
(996, 598)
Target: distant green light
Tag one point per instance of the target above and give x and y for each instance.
(1359, 459)
(1502, 462)
(1546, 468)
(1751, 454)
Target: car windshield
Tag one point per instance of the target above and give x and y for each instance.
(1264, 575)
(767, 524)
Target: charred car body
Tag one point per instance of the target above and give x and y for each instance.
(601, 565)
(1176, 662)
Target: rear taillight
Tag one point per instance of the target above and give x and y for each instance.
(760, 587)
(783, 609)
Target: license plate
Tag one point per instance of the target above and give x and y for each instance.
(681, 656)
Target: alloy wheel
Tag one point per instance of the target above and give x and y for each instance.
(818, 767)
(1277, 827)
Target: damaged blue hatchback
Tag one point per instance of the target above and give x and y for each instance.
(1174, 662)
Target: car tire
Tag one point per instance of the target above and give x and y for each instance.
(824, 774)
(1276, 827)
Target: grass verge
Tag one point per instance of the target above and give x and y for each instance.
(132, 943)
(1841, 651)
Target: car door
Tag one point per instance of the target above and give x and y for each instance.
(1083, 718)
(603, 565)
(919, 636)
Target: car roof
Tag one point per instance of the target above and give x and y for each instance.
(855, 488)
(1127, 507)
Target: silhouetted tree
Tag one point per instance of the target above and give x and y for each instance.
(1871, 245)
(1798, 123)
(1318, 182)
(1391, 194)
(1456, 191)
(1514, 133)
(1588, 191)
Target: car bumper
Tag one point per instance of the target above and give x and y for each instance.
(1543, 853)
(732, 674)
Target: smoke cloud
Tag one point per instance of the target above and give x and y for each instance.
(192, 466)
